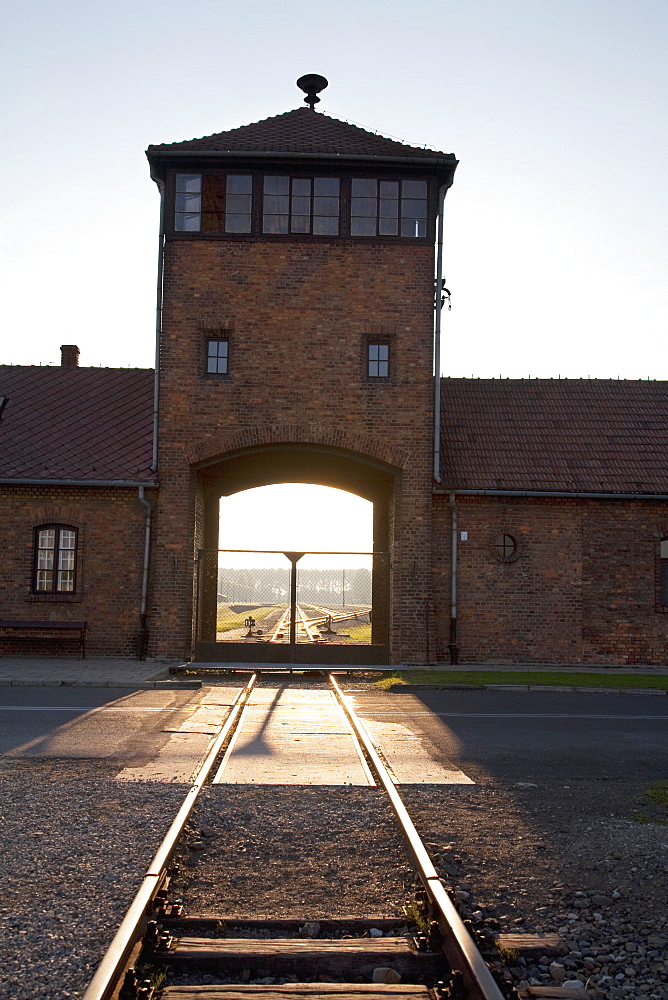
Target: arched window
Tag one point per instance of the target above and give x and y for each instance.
(55, 569)
(664, 572)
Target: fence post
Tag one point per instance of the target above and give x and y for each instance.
(294, 558)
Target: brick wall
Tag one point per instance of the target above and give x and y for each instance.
(110, 560)
(297, 315)
(622, 617)
(583, 587)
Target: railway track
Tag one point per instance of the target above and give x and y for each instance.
(365, 959)
(307, 629)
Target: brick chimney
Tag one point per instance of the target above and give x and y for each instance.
(69, 356)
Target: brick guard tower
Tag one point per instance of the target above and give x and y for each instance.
(296, 345)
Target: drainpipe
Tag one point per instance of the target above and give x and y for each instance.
(454, 652)
(143, 629)
(438, 307)
(158, 322)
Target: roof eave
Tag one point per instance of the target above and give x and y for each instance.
(548, 494)
(117, 483)
(438, 160)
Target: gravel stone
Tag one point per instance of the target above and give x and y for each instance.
(597, 878)
(76, 845)
(290, 846)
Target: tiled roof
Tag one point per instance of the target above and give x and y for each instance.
(562, 435)
(76, 423)
(300, 131)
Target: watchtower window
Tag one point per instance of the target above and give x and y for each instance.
(217, 202)
(217, 357)
(388, 208)
(227, 203)
(188, 208)
(238, 203)
(307, 205)
(378, 360)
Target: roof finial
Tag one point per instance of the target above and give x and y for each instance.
(312, 84)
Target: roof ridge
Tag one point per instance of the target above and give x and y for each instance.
(298, 130)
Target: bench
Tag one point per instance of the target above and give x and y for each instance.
(64, 632)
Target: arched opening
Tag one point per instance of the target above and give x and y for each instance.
(293, 557)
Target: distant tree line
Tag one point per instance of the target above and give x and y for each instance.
(314, 586)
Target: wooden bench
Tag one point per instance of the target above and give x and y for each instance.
(65, 632)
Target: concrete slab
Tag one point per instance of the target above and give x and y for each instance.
(291, 736)
(180, 757)
(107, 671)
(407, 755)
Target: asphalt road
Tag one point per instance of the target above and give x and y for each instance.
(89, 723)
(531, 735)
(511, 736)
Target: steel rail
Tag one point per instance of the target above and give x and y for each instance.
(133, 925)
(459, 947)
(280, 626)
(307, 628)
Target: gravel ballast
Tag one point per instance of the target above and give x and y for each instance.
(76, 845)
(294, 852)
(544, 858)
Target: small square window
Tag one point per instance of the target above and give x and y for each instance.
(378, 360)
(217, 357)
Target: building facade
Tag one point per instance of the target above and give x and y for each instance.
(296, 344)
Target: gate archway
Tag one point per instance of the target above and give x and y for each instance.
(293, 463)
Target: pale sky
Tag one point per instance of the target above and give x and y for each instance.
(296, 518)
(556, 251)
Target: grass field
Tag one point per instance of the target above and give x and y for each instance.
(227, 619)
(535, 678)
(360, 633)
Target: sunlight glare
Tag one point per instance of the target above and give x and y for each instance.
(296, 517)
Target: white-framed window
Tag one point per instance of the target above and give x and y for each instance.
(55, 568)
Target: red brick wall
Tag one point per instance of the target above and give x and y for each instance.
(583, 588)
(297, 314)
(110, 560)
(621, 613)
